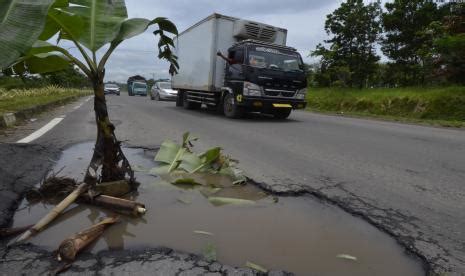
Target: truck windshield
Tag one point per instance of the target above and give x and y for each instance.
(140, 85)
(271, 58)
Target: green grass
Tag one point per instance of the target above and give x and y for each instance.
(439, 105)
(16, 100)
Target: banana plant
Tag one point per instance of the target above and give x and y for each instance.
(27, 26)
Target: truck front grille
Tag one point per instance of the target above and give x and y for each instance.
(279, 93)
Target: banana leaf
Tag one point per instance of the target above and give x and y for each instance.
(170, 153)
(21, 23)
(102, 20)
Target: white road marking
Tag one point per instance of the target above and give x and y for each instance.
(48, 126)
(41, 131)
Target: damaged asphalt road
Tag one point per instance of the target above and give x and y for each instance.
(27, 165)
(30, 260)
(405, 179)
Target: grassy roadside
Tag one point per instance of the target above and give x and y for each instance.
(17, 100)
(444, 106)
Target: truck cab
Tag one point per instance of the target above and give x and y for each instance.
(236, 66)
(263, 77)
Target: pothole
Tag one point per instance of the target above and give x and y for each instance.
(298, 234)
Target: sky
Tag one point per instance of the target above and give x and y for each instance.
(304, 20)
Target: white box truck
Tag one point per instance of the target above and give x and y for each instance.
(257, 73)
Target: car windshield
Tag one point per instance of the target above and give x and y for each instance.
(164, 85)
(271, 58)
(110, 85)
(140, 85)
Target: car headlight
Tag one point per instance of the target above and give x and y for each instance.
(251, 89)
(300, 95)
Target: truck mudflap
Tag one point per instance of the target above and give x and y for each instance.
(259, 103)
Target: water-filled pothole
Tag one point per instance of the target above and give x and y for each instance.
(296, 234)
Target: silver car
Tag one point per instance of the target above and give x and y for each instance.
(162, 91)
(111, 88)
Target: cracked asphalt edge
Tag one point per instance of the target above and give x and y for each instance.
(433, 266)
(22, 166)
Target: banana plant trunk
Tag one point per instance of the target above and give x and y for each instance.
(108, 162)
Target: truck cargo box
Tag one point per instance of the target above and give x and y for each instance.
(196, 48)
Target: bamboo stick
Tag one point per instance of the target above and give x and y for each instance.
(7, 232)
(71, 246)
(52, 214)
(116, 204)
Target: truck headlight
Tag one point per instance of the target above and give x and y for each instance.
(300, 95)
(251, 89)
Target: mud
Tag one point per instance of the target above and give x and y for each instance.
(303, 235)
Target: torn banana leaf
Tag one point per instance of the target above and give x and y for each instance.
(198, 179)
(190, 162)
(219, 201)
(256, 267)
(170, 153)
(236, 175)
(180, 157)
(71, 246)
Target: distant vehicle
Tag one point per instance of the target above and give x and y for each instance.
(259, 73)
(162, 91)
(111, 88)
(137, 85)
(139, 88)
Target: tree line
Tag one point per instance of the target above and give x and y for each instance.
(423, 43)
(70, 77)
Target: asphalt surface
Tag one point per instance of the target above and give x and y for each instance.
(408, 180)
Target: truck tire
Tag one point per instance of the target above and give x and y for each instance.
(189, 105)
(179, 98)
(230, 108)
(281, 114)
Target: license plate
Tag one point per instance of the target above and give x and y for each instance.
(282, 105)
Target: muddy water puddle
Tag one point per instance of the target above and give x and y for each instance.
(300, 235)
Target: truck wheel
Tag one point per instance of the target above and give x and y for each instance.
(230, 108)
(282, 114)
(179, 98)
(187, 104)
